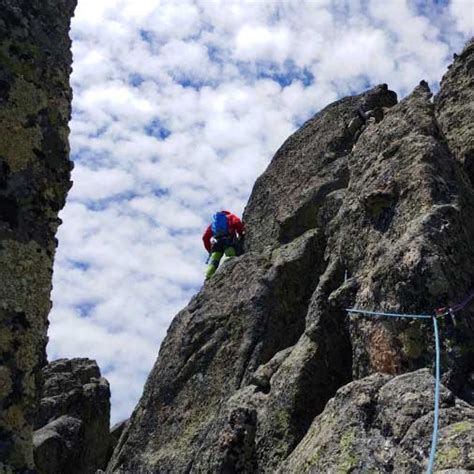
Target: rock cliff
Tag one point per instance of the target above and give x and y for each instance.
(35, 169)
(265, 371)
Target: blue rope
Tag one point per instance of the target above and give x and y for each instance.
(393, 315)
(434, 437)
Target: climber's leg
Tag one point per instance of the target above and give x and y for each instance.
(230, 251)
(213, 263)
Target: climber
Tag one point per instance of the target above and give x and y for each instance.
(224, 235)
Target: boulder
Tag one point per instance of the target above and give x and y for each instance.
(72, 423)
(58, 445)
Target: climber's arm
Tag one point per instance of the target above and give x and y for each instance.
(206, 238)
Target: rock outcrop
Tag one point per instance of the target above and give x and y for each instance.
(73, 419)
(35, 99)
(383, 219)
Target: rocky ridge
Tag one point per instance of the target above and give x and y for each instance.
(278, 377)
(35, 98)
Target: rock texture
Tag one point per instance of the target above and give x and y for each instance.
(58, 444)
(35, 101)
(114, 436)
(214, 346)
(455, 110)
(384, 424)
(381, 219)
(73, 419)
(299, 190)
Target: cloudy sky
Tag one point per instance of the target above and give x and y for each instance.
(178, 106)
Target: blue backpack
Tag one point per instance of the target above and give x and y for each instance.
(219, 225)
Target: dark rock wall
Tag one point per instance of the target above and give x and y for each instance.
(72, 423)
(35, 99)
(380, 218)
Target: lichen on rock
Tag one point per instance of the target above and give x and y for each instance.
(35, 61)
(382, 424)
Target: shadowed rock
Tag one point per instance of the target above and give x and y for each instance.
(35, 98)
(115, 434)
(58, 445)
(403, 234)
(72, 423)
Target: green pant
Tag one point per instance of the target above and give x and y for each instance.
(216, 258)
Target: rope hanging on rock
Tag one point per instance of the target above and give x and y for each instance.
(434, 437)
(392, 315)
(440, 312)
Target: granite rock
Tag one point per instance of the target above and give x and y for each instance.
(35, 107)
(73, 419)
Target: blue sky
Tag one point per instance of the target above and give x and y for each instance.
(178, 107)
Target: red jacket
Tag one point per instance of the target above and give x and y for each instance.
(235, 227)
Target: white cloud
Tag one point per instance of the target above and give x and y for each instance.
(167, 213)
(187, 60)
(119, 100)
(178, 107)
(94, 184)
(463, 13)
(357, 53)
(262, 43)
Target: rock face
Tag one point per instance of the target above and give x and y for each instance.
(72, 423)
(35, 169)
(384, 222)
